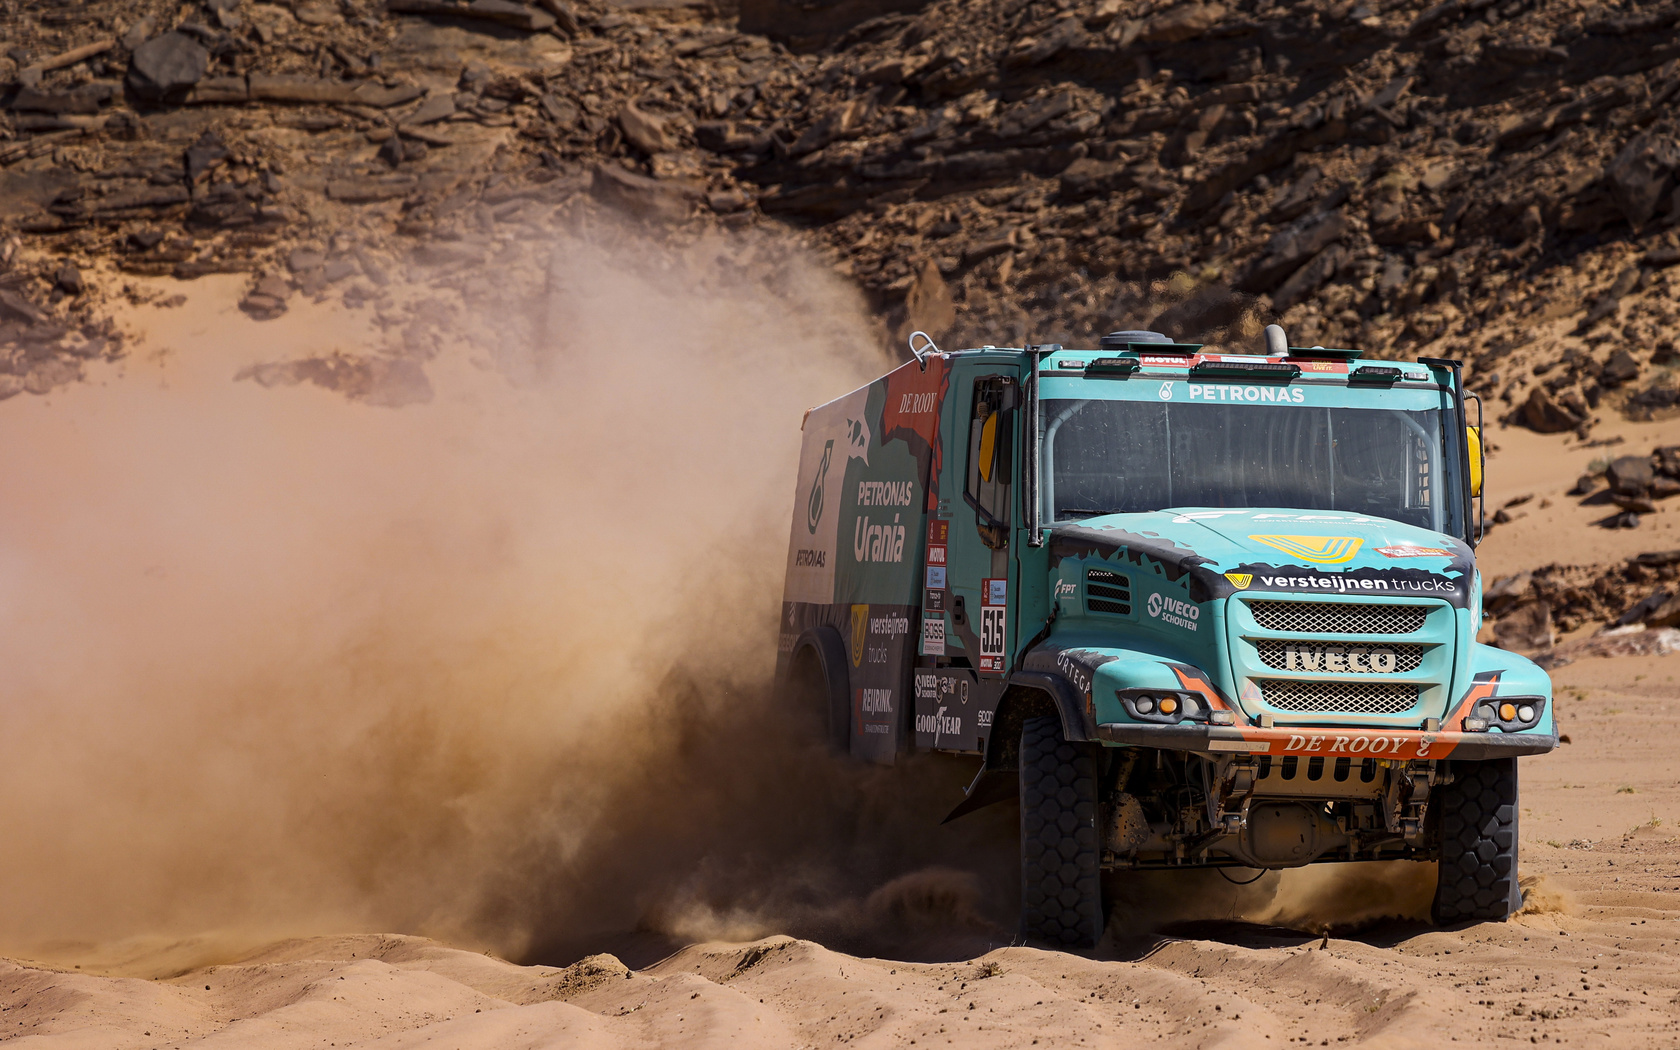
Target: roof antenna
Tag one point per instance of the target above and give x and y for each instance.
(1277, 344)
(921, 353)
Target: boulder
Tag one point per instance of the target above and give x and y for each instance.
(646, 131)
(1663, 487)
(1186, 22)
(1639, 175)
(164, 67)
(1668, 460)
(1546, 415)
(1630, 475)
(1525, 628)
(1621, 368)
(1584, 485)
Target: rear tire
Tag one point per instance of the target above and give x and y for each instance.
(1477, 880)
(1061, 885)
(819, 705)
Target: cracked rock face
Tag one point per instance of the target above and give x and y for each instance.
(1496, 185)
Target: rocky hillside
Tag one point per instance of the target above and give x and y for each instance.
(1483, 179)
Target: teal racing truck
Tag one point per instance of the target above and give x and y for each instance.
(1193, 609)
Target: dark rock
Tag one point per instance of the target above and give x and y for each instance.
(1636, 504)
(205, 156)
(435, 108)
(164, 67)
(1584, 485)
(661, 199)
(1625, 520)
(1639, 174)
(1664, 487)
(1667, 460)
(1621, 368)
(1630, 475)
(1310, 278)
(70, 280)
(1181, 23)
(302, 260)
(810, 23)
(1289, 249)
(1642, 609)
(646, 131)
(1546, 415)
(337, 270)
(1525, 628)
(1500, 517)
(1506, 592)
(503, 12)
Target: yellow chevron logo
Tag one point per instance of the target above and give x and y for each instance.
(1320, 550)
(1240, 580)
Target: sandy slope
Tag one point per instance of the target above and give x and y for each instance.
(1594, 960)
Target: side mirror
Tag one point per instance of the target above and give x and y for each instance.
(1473, 442)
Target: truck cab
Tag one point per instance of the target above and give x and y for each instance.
(1193, 609)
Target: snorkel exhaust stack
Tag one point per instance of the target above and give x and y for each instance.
(1277, 344)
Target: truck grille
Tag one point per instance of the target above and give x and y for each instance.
(1365, 698)
(1108, 592)
(1274, 653)
(1338, 617)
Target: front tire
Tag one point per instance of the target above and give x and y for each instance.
(1477, 880)
(1061, 885)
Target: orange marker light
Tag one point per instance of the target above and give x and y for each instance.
(1507, 712)
(1168, 706)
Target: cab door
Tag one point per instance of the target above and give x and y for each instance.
(972, 562)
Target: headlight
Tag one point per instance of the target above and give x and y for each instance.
(1510, 714)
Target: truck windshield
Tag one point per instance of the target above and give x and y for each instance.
(1109, 457)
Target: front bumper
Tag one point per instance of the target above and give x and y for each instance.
(1398, 744)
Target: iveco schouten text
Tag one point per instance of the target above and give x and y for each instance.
(1196, 609)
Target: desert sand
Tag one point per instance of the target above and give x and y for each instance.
(1589, 962)
(1327, 956)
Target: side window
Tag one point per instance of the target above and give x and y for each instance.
(991, 457)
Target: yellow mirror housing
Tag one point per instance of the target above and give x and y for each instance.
(1473, 442)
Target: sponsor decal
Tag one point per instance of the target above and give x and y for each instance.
(1289, 395)
(857, 440)
(917, 404)
(886, 493)
(784, 642)
(939, 529)
(814, 505)
(892, 625)
(933, 636)
(927, 685)
(936, 577)
(1173, 611)
(1166, 391)
(936, 554)
(993, 616)
(806, 558)
(1166, 359)
(1338, 659)
(1066, 588)
(1345, 583)
(1240, 580)
(880, 543)
(1354, 745)
(935, 601)
(1413, 552)
(1322, 366)
(860, 618)
(875, 709)
(1320, 550)
(983, 719)
(1075, 672)
(939, 724)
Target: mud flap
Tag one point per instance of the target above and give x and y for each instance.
(990, 786)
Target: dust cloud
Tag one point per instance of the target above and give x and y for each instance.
(277, 663)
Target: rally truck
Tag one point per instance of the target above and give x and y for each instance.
(1193, 609)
